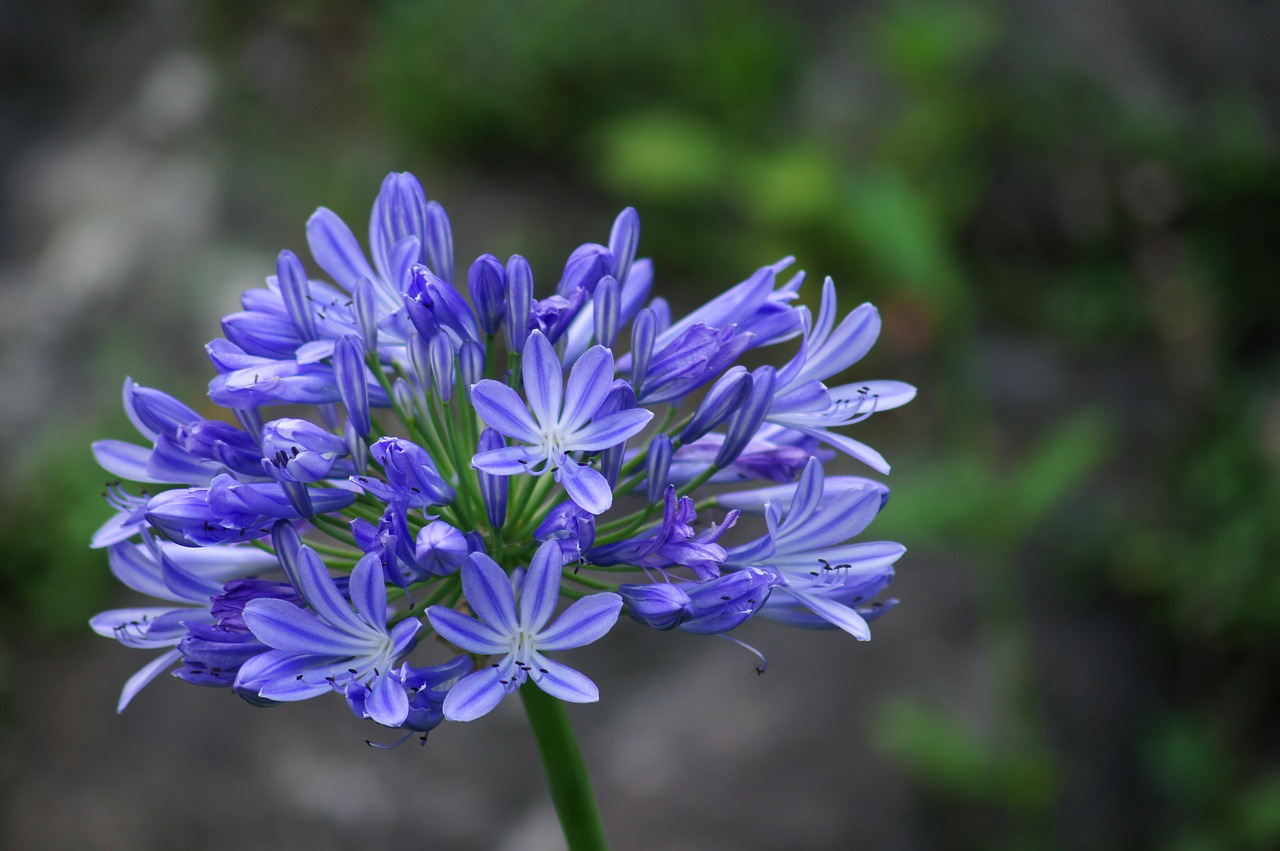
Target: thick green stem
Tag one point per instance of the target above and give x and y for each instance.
(567, 776)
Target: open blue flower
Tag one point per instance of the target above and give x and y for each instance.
(520, 635)
(335, 644)
(563, 421)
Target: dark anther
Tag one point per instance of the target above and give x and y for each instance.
(724, 596)
(295, 451)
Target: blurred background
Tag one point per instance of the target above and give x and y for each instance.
(1069, 217)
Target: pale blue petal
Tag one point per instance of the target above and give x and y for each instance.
(368, 592)
(334, 247)
(126, 460)
(474, 696)
(840, 615)
(541, 589)
(563, 682)
(586, 486)
(146, 674)
(321, 593)
(283, 626)
(387, 702)
(488, 592)
(860, 558)
(589, 383)
(543, 380)
(135, 621)
(467, 633)
(587, 620)
(503, 409)
(875, 395)
(507, 461)
(610, 430)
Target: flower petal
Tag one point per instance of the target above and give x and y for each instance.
(559, 680)
(543, 379)
(611, 430)
(334, 247)
(387, 702)
(126, 460)
(467, 633)
(586, 486)
(585, 621)
(321, 593)
(836, 613)
(507, 461)
(475, 695)
(282, 625)
(144, 675)
(589, 383)
(503, 409)
(368, 592)
(488, 592)
(541, 589)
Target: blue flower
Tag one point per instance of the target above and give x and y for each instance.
(186, 580)
(335, 644)
(807, 546)
(563, 421)
(521, 635)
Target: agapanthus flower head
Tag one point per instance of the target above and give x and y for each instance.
(500, 466)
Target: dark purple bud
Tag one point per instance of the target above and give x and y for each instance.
(439, 247)
(724, 398)
(584, 269)
(353, 383)
(212, 655)
(623, 240)
(519, 302)
(219, 441)
(644, 330)
(292, 280)
(493, 488)
(660, 605)
(154, 412)
(658, 466)
(746, 421)
(572, 527)
(432, 304)
(721, 604)
(608, 311)
(487, 282)
(412, 478)
(228, 607)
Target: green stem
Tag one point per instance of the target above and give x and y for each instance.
(570, 787)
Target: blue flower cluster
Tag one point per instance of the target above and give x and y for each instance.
(475, 455)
